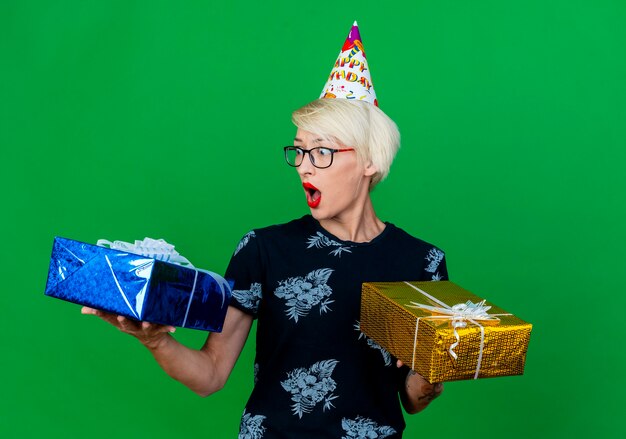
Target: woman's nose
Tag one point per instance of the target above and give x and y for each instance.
(306, 167)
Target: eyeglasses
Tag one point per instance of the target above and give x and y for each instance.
(321, 157)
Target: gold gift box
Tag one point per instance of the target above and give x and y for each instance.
(423, 337)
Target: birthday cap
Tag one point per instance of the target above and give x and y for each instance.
(350, 77)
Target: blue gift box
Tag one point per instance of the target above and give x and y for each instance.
(136, 286)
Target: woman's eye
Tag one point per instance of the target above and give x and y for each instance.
(324, 151)
(298, 151)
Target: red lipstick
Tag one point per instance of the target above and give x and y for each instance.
(313, 195)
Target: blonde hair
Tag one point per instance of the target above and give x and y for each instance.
(356, 124)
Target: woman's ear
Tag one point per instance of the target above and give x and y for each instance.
(370, 169)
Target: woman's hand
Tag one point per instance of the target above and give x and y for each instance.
(151, 335)
(418, 392)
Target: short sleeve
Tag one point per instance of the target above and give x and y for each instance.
(245, 270)
(435, 267)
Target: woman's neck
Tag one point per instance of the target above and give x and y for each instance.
(358, 225)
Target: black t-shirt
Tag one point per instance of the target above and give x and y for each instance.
(316, 375)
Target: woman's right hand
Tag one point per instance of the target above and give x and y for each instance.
(151, 335)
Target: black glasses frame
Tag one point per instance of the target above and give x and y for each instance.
(286, 149)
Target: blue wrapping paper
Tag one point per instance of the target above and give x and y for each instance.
(136, 286)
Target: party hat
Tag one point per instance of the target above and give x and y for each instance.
(350, 78)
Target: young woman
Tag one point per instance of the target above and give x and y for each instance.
(316, 374)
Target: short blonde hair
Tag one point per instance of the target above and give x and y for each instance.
(356, 124)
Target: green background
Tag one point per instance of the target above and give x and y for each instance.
(126, 119)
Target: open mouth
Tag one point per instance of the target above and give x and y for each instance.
(313, 195)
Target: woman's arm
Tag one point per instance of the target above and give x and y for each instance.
(417, 392)
(204, 371)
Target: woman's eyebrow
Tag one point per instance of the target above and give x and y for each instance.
(297, 139)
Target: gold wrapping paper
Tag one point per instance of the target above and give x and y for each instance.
(388, 318)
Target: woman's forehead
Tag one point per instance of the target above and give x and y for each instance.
(307, 137)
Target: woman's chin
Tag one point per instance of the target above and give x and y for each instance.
(318, 214)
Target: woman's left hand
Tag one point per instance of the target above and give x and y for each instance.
(418, 392)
